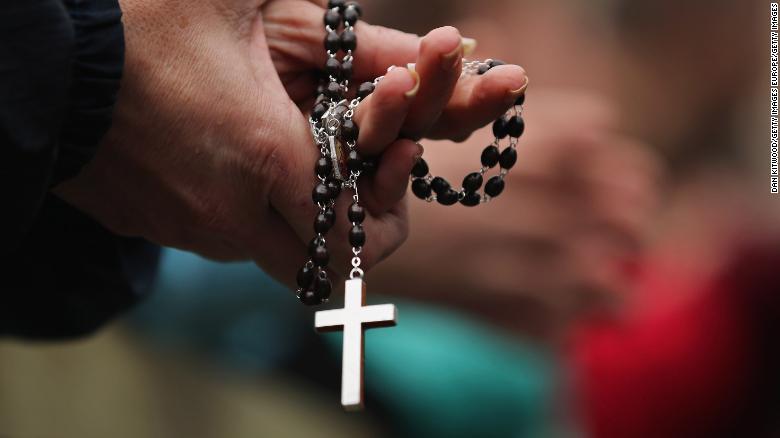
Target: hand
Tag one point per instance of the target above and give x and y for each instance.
(210, 150)
(577, 207)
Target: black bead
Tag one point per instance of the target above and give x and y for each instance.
(322, 286)
(334, 188)
(508, 158)
(354, 162)
(351, 14)
(322, 223)
(496, 63)
(305, 276)
(348, 41)
(420, 168)
(333, 90)
(332, 42)
(356, 213)
(449, 197)
(520, 100)
(494, 186)
(333, 67)
(499, 128)
(320, 256)
(369, 165)
(440, 185)
(315, 242)
(470, 199)
(365, 89)
(472, 182)
(483, 68)
(349, 130)
(515, 126)
(332, 19)
(310, 298)
(357, 236)
(323, 167)
(346, 70)
(490, 156)
(320, 194)
(336, 4)
(318, 111)
(331, 215)
(421, 188)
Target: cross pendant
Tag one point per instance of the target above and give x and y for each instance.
(353, 319)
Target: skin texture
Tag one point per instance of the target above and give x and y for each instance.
(210, 149)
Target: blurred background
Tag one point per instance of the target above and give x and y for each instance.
(624, 285)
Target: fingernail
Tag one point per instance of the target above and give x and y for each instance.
(469, 45)
(411, 66)
(451, 60)
(514, 94)
(413, 92)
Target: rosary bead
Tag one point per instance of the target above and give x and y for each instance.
(357, 236)
(472, 182)
(490, 156)
(320, 194)
(482, 69)
(515, 126)
(318, 111)
(336, 4)
(420, 168)
(305, 276)
(318, 92)
(440, 185)
(348, 41)
(356, 213)
(323, 167)
(508, 158)
(496, 63)
(449, 197)
(471, 199)
(333, 67)
(351, 14)
(354, 162)
(334, 188)
(520, 100)
(494, 186)
(332, 19)
(499, 128)
(310, 298)
(333, 90)
(322, 287)
(322, 223)
(421, 188)
(365, 89)
(320, 256)
(330, 213)
(332, 42)
(349, 130)
(346, 70)
(315, 242)
(369, 165)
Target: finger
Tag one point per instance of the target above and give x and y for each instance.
(389, 183)
(295, 31)
(438, 65)
(477, 101)
(381, 114)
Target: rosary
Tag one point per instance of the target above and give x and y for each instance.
(340, 166)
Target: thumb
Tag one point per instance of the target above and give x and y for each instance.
(295, 29)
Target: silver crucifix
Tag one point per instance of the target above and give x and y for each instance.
(353, 319)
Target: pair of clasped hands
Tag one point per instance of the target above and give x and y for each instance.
(210, 149)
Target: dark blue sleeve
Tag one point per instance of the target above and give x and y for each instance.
(61, 273)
